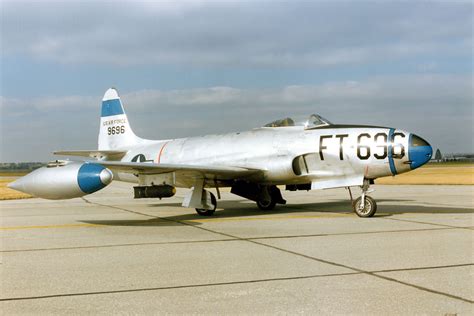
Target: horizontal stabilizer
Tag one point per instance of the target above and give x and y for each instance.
(98, 154)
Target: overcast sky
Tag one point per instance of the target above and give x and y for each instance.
(195, 67)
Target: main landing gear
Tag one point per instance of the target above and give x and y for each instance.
(269, 197)
(202, 200)
(364, 206)
(266, 205)
(208, 212)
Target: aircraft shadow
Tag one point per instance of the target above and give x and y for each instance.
(240, 208)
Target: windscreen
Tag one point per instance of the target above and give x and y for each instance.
(306, 122)
(418, 141)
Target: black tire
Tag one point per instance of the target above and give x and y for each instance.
(370, 207)
(204, 212)
(266, 205)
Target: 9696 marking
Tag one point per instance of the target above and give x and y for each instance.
(115, 130)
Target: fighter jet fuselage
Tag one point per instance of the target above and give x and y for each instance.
(301, 155)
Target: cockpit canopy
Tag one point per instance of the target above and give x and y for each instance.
(313, 121)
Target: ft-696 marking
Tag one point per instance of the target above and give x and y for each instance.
(363, 148)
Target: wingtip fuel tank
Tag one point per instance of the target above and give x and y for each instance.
(64, 180)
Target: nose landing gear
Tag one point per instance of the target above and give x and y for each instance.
(364, 206)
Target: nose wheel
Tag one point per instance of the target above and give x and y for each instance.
(364, 206)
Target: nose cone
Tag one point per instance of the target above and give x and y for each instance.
(17, 185)
(106, 176)
(419, 151)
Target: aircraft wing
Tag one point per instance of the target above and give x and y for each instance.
(214, 172)
(109, 154)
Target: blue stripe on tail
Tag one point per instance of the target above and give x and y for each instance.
(112, 107)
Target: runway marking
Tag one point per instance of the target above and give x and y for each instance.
(221, 283)
(53, 215)
(237, 219)
(219, 220)
(50, 226)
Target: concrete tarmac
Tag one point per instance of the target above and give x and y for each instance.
(111, 254)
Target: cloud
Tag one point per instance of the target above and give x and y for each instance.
(234, 34)
(237, 65)
(438, 107)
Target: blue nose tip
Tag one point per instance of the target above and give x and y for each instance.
(419, 151)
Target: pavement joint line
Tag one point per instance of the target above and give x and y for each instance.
(316, 259)
(426, 223)
(425, 268)
(219, 283)
(50, 226)
(369, 273)
(177, 287)
(120, 245)
(350, 233)
(220, 240)
(118, 208)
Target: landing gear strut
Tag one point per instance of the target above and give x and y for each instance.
(364, 206)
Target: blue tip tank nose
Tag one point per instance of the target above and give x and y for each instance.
(419, 151)
(92, 177)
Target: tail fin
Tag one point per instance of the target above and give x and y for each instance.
(115, 131)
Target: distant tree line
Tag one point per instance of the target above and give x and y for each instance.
(24, 166)
(461, 157)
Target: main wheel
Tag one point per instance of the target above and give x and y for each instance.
(369, 209)
(204, 212)
(266, 205)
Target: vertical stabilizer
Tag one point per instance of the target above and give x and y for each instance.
(115, 131)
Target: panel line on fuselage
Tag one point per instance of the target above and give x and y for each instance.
(390, 151)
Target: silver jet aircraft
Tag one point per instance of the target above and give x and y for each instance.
(300, 155)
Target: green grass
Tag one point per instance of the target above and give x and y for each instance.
(450, 164)
(14, 173)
